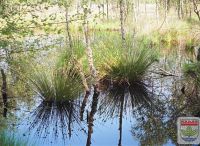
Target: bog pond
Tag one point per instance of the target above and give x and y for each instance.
(143, 113)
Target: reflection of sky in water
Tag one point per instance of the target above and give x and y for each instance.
(105, 134)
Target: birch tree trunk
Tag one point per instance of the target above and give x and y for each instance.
(121, 5)
(182, 12)
(134, 11)
(88, 46)
(107, 9)
(197, 12)
(67, 28)
(78, 62)
(157, 10)
(103, 8)
(145, 7)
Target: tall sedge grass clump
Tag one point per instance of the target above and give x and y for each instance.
(8, 140)
(59, 85)
(129, 64)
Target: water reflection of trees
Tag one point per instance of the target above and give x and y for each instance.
(119, 100)
(150, 126)
(185, 102)
(55, 118)
(90, 119)
(159, 125)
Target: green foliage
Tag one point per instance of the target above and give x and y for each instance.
(192, 70)
(105, 46)
(63, 59)
(190, 44)
(166, 38)
(8, 140)
(77, 52)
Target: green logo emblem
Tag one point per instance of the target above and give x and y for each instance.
(189, 131)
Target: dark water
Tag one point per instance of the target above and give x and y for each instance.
(140, 114)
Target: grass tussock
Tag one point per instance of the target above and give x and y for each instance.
(59, 85)
(129, 64)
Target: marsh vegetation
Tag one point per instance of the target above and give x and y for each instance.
(97, 72)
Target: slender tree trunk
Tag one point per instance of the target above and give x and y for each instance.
(127, 8)
(99, 7)
(103, 7)
(107, 9)
(168, 5)
(197, 12)
(84, 81)
(77, 7)
(190, 10)
(121, 4)
(78, 63)
(157, 10)
(182, 12)
(186, 8)
(67, 27)
(88, 47)
(135, 11)
(138, 7)
(178, 9)
(166, 9)
(145, 6)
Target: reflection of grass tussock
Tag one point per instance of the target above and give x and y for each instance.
(55, 118)
(134, 95)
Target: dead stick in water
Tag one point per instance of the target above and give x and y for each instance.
(4, 88)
